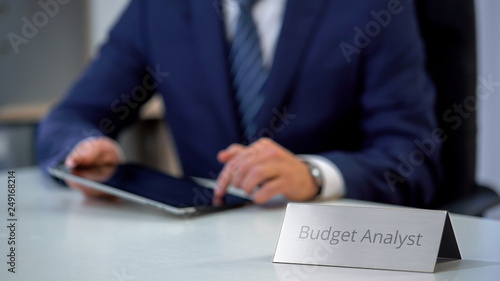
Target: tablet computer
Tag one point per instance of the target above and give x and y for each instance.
(144, 185)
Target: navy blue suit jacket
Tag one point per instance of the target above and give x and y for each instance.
(347, 83)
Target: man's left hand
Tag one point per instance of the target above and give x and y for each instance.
(265, 169)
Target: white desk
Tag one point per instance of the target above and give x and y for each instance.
(62, 236)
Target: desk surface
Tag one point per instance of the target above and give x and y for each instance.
(63, 236)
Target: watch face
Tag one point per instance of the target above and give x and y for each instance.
(316, 174)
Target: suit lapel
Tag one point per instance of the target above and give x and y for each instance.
(298, 27)
(208, 29)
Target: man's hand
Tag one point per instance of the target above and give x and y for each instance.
(267, 165)
(94, 152)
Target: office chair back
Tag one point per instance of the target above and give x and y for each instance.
(448, 28)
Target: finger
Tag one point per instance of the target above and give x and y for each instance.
(257, 175)
(230, 167)
(259, 153)
(109, 155)
(72, 160)
(236, 168)
(242, 158)
(222, 182)
(84, 154)
(94, 152)
(225, 155)
(268, 190)
(217, 201)
(231, 172)
(108, 152)
(77, 159)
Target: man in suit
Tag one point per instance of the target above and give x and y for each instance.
(324, 98)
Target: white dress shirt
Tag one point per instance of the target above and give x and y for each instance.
(268, 17)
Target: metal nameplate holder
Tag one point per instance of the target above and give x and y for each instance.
(366, 237)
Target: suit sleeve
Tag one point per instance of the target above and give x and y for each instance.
(107, 96)
(398, 161)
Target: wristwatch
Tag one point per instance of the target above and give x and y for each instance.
(317, 176)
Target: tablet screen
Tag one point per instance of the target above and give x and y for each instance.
(151, 184)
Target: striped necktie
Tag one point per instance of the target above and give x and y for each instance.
(247, 68)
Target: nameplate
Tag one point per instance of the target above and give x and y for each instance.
(365, 237)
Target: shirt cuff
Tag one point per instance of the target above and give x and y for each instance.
(333, 181)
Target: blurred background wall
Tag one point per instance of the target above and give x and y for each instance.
(103, 15)
(42, 50)
(489, 109)
(55, 55)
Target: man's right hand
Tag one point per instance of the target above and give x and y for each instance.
(94, 152)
